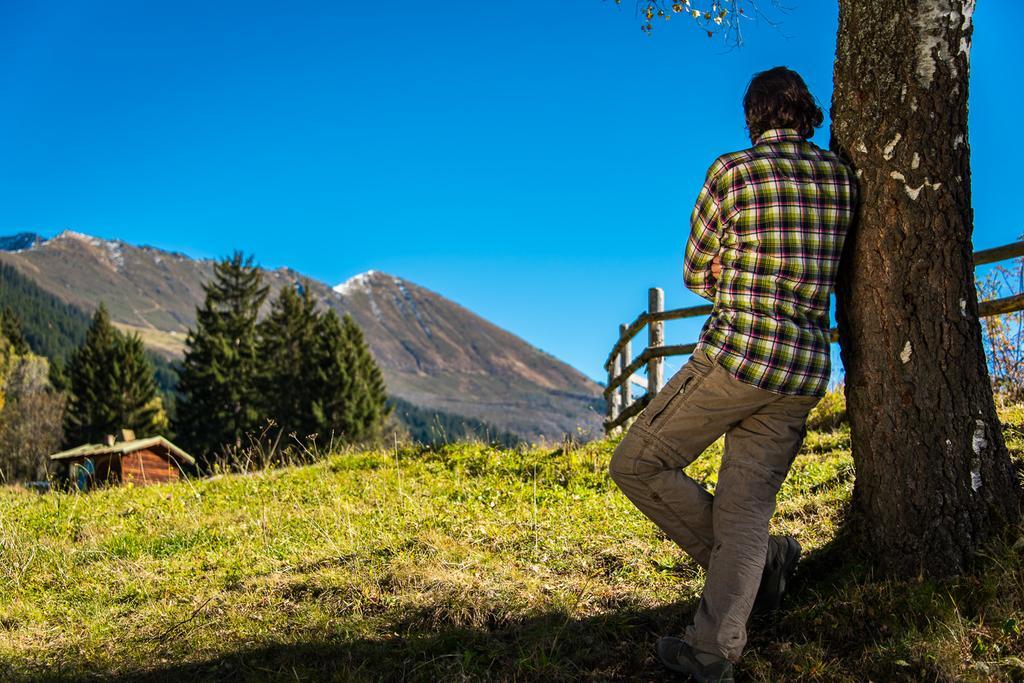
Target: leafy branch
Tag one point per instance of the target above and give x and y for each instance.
(714, 17)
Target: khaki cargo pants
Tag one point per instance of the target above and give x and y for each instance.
(727, 534)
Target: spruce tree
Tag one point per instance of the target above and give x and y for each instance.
(11, 329)
(287, 350)
(138, 398)
(349, 394)
(219, 398)
(334, 383)
(369, 395)
(111, 386)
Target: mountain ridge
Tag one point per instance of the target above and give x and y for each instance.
(434, 353)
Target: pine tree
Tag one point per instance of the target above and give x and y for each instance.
(369, 394)
(289, 362)
(334, 383)
(136, 400)
(111, 386)
(219, 397)
(350, 397)
(11, 329)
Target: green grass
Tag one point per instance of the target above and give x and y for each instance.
(452, 563)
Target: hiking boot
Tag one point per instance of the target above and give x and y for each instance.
(774, 580)
(704, 667)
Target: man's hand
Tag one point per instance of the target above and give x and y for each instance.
(716, 267)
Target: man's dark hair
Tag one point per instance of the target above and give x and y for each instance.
(779, 98)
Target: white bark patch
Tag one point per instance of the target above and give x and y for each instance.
(888, 149)
(916, 161)
(862, 148)
(965, 40)
(978, 444)
(931, 23)
(967, 9)
(963, 307)
(905, 353)
(957, 141)
(978, 441)
(896, 175)
(913, 192)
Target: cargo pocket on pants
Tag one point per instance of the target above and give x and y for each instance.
(658, 407)
(675, 391)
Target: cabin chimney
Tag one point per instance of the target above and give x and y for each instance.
(109, 439)
(127, 435)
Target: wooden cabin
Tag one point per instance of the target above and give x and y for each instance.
(136, 461)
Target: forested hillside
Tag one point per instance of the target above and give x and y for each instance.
(436, 427)
(52, 328)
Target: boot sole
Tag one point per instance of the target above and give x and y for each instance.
(793, 552)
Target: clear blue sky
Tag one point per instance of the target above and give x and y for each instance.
(534, 161)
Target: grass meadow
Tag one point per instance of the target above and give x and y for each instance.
(460, 562)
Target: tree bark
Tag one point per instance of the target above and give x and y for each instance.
(934, 480)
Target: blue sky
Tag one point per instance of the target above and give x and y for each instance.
(535, 162)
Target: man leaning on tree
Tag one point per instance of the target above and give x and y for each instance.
(765, 242)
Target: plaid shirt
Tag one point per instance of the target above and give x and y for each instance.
(777, 213)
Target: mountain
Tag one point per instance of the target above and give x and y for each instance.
(438, 354)
(435, 354)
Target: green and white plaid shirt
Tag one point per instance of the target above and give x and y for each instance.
(777, 214)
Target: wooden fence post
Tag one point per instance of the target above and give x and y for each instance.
(613, 398)
(625, 358)
(655, 337)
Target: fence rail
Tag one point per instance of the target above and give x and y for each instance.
(622, 366)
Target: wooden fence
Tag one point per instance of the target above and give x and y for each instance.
(622, 367)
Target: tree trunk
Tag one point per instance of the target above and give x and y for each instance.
(934, 480)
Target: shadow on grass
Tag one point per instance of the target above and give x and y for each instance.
(551, 646)
(831, 627)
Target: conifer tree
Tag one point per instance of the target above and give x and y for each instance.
(10, 327)
(289, 362)
(137, 400)
(349, 397)
(111, 385)
(369, 394)
(219, 401)
(334, 409)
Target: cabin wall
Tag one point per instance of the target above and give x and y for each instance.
(148, 467)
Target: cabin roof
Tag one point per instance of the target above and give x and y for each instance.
(123, 448)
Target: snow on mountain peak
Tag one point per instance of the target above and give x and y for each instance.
(81, 236)
(355, 283)
(114, 248)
